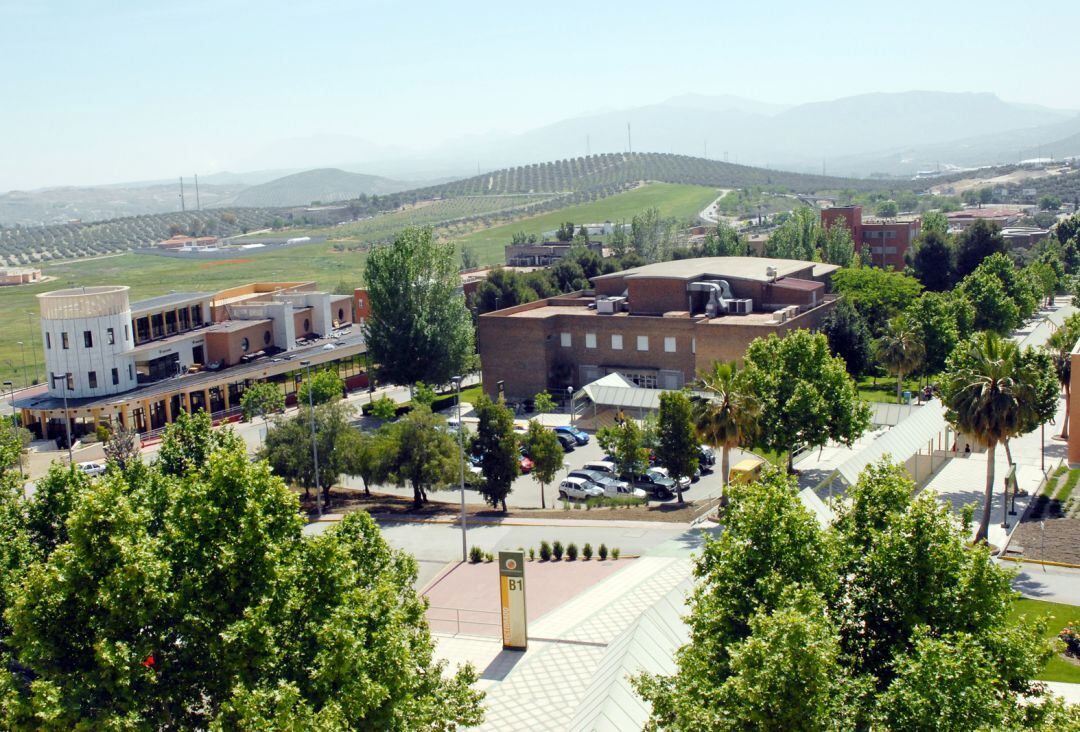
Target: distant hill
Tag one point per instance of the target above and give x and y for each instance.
(324, 184)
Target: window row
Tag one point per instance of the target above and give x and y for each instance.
(642, 342)
(88, 338)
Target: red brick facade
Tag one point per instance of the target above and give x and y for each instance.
(888, 239)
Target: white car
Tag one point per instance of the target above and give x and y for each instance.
(91, 468)
(684, 482)
(602, 466)
(579, 488)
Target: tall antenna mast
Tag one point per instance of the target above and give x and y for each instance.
(198, 205)
(182, 206)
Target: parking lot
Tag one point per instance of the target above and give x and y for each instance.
(526, 491)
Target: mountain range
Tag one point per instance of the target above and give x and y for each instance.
(891, 134)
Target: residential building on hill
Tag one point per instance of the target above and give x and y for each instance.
(656, 325)
(888, 239)
(19, 275)
(138, 364)
(544, 254)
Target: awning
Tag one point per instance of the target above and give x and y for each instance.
(900, 443)
(615, 390)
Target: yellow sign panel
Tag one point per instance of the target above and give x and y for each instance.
(512, 599)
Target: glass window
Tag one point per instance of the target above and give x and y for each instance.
(245, 344)
(616, 342)
(110, 336)
(590, 340)
(307, 325)
(643, 343)
(196, 314)
(64, 340)
(564, 339)
(266, 338)
(131, 371)
(91, 378)
(115, 376)
(127, 332)
(341, 314)
(669, 344)
(70, 382)
(87, 339)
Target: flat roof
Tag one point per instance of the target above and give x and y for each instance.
(744, 268)
(173, 298)
(231, 326)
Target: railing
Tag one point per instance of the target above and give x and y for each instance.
(472, 621)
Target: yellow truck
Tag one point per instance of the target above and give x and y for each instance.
(745, 471)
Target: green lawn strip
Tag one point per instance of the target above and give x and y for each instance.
(885, 389)
(1058, 669)
(1067, 488)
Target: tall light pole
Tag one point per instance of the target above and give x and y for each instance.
(314, 444)
(25, 376)
(33, 342)
(67, 417)
(14, 426)
(570, 393)
(461, 454)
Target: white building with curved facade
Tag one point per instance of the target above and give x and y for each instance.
(88, 341)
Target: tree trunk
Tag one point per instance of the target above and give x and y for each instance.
(725, 461)
(790, 461)
(899, 383)
(542, 496)
(984, 521)
(503, 502)
(418, 494)
(678, 490)
(1068, 403)
(326, 497)
(367, 490)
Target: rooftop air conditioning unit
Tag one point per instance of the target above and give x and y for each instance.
(609, 305)
(780, 316)
(742, 306)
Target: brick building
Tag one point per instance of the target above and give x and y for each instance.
(19, 275)
(888, 239)
(657, 325)
(545, 254)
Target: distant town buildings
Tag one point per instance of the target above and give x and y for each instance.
(888, 240)
(138, 364)
(191, 243)
(19, 275)
(655, 325)
(544, 254)
(1002, 216)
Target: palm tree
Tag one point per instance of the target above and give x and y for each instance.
(727, 417)
(985, 391)
(900, 350)
(1060, 345)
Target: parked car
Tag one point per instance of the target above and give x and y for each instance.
(579, 488)
(602, 466)
(525, 463)
(654, 484)
(706, 458)
(745, 471)
(683, 481)
(612, 486)
(568, 443)
(91, 468)
(580, 437)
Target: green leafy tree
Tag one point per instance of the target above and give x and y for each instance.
(287, 447)
(47, 512)
(931, 260)
(497, 446)
(425, 455)
(546, 453)
(878, 295)
(1068, 229)
(725, 241)
(625, 442)
(887, 209)
(504, 288)
(122, 447)
(677, 445)
(1019, 286)
(934, 321)
(366, 455)
(837, 246)
(849, 338)
(419, 329)
(727, 417)
(384, 408)
(797, 237)
(619, 241)
(543, 403)
(975, 244)
(900, 350)
(189, 441)
(423, 394)
(807, 397)
(261, 400)
(988, 389)
(994, 309)
(469, 260)
(935, 221)
(325, 386)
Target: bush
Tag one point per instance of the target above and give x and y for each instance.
(532, 554)
(489, 557)
(586, 551)
(101, 431)
(476, 554)
(1071, 637)
(557, 550)
(603, 552)
(571, 551)
(545, 551)
(615, 553)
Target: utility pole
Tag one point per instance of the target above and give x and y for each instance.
(629, 143)
(183, 207)
(198, 205)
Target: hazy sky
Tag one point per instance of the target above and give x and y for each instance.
(98, 91)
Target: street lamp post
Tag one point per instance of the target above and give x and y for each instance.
(14, 425)
(461, 454)
(25, 374)
(570, 393)
(67, 417)
(314, 443)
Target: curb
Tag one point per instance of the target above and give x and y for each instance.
(525, 522)
(1021, 560)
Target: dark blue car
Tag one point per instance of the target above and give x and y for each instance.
(581, 438)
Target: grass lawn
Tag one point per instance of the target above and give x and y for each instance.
(1058, 669)
(885, 391)
(681, 201)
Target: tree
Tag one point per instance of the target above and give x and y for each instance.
(48, 511)
(366, 455)
(287, 447)
(807, 397)
(504, 288)
(122, 447)
(1049, 203)
(419, 329)
(625, 442)
(849, 338)
(262, 399)
(677, 445)
(469, 259)
(797, 237)
(425, 455)
(724, 242)
(497, 446)
(887, 209)
(728, 417)
(546, 453)
(994, 309)
(188, 442)
(1020, 287)
(837, 246)
(1068, 229)
(934, 321)
(878, 295)
(987, 390)
(565, 232)
(975, 244)
(325, 386)
(793, 626)
(936, 222)
(543, 403)
(900, 350)
(619, 242)
(384, 408)
(932, 260)
(423, 394)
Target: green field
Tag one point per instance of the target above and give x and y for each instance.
(149, 275)
(1058, 669)
(680, 201)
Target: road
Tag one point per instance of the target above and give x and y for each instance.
(710, 214)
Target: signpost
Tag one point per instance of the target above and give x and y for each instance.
(512, 600)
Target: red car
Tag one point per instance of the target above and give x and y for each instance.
(525, 463)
